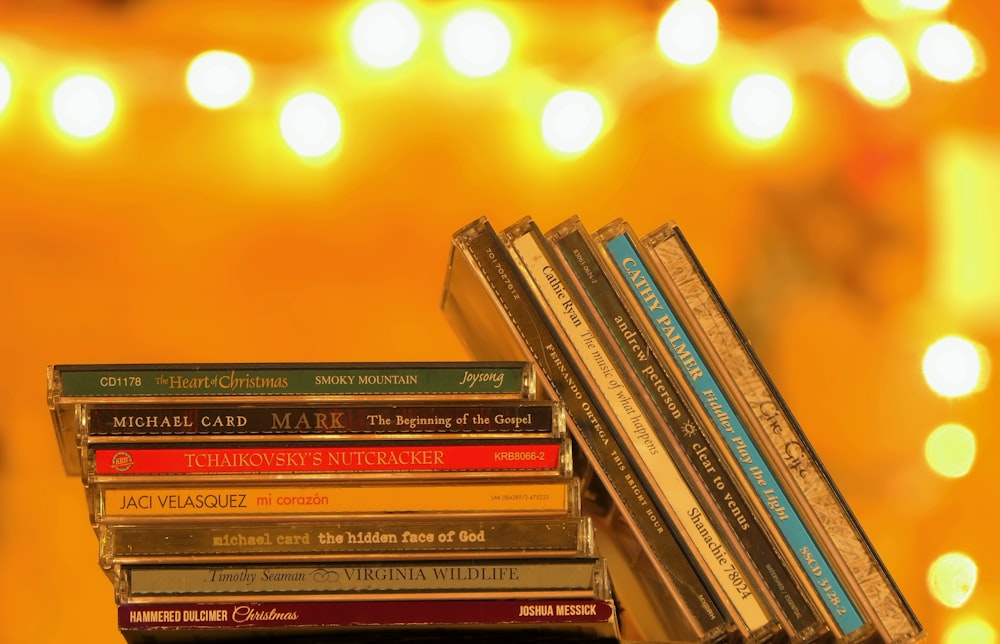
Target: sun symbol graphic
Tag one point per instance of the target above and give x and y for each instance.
(690, 428)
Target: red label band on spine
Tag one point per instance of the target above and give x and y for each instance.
(209, 615)
(328, 459)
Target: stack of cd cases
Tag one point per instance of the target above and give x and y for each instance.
(714, 512)
(333, 501)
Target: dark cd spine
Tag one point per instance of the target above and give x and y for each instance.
(142, 622)
(465, 578)
(358, 539)
(321, 419)
(68, 383)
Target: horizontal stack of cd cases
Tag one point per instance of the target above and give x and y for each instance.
(716, 515)
(333, 501)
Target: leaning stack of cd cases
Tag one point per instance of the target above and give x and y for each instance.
(335, 501)
(716, 515)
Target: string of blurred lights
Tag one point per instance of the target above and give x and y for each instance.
(953, 367)
(477, 44)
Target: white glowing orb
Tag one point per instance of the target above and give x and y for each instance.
(761, 106)
(477, 43)
(945, 52)
(572, 121)
(310, 125)
(385, 34)
(83, 106)
(688, 32)
(218, 79)
(952, 578)
(876, 70)
(952, 366)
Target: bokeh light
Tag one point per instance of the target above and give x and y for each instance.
(218, 79)
(385, 34)
(884, 9)
(572, 121)
(5, 86)
(952, 578)
(952, 366)
(310, 125)
(950, 450)
(83, 106)
(477, 43)
(688, 32)
(970, 631)
(944, 51)
(876, 70)
(761, 106)
(926, 5)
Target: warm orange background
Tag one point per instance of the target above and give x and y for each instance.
(189, 235)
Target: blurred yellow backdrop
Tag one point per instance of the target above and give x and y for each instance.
(844, 248)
